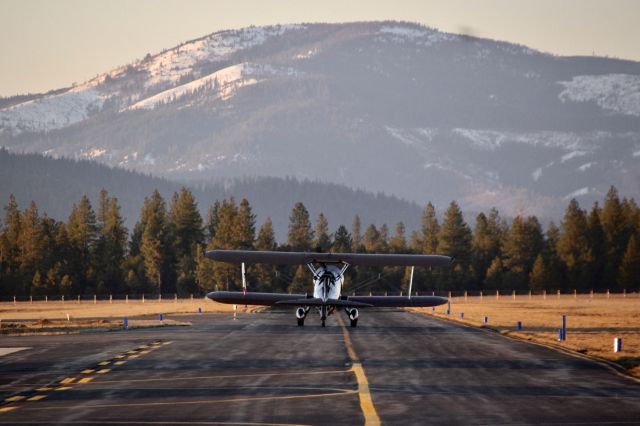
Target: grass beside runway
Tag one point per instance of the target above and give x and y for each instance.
(592, 321)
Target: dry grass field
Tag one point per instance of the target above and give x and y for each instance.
(593, 321)
(58, 310)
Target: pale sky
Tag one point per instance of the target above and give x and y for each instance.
(49, 44)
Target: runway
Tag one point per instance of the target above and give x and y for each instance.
(396, 368)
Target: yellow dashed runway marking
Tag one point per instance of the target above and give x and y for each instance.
(104, 363)
(37, 398)
(67, 380)
(103, 371)
(85, 380)
(88, 371)
(44, 389)
(63, 388)
(120, 362)
(15, 398)
(5, 409)
(119, 356)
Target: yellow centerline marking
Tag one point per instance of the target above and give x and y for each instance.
(366, 401)
(44, 389)
(37, 398)
(15, 398)
(88, 371)
(120, 362)
(103, 371)
(85, 380)
(63, 388)
(67, 380)
(119, 356)
(104, 363)
(5, 409)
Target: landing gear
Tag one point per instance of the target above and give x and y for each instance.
(353, 316)
(323, 323)
(301, 314)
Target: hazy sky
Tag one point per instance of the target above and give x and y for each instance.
(48, 44)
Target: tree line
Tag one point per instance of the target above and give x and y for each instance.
(94, 253)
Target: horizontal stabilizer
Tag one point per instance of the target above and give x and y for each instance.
(301, 258)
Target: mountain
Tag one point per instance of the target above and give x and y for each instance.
(393, 107)
(56, 184)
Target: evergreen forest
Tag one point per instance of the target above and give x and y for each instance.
(93, 252)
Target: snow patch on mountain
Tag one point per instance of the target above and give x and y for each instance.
(587, 166)
(51, 112)
(225, 82)
(492, 139)
(577, 193)
(172, 65)
(420, 36)
(536, 174)
(619, 93)
(572, 154)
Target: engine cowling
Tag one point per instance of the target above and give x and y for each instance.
(353, 314)
(301, 313)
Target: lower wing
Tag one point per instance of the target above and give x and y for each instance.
(252, 298)
(399, 301)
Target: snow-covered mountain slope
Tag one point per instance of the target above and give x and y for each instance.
(384, 106)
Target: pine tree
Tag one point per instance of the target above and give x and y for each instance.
(153, 246)
(615, 233)
(398, 243)
(596, 252)
(573, 246)
(555, 268)
(495, 275)
(342, 241)
(111, 245)
(30, 256)
(245, 226)
(371, 240)
(430, 230)
(485, 245)
(186, 227)
(629, 274)
(82, 232)
(522, 245)
(539, 276)
(454, 240)
(300, 235)
(10, 248)
(356, 235)
(211, 222)
(266, 241)
(322, 241)
(226, 237)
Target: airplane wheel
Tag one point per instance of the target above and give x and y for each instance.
(300, 322)
(354, 322)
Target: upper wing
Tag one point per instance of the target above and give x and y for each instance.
(399, 301)
(301, 258)
(251, 298)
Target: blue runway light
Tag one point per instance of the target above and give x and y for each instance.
(125, 323)
(161, 317)
(519, 325)
(199, 310)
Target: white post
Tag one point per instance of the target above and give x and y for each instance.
(126, 298)
(63, 298)
(95, 299)
(514, 294)
(410, 282)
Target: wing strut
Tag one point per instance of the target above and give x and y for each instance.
(410, 282)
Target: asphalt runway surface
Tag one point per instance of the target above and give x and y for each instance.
(396, 368)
